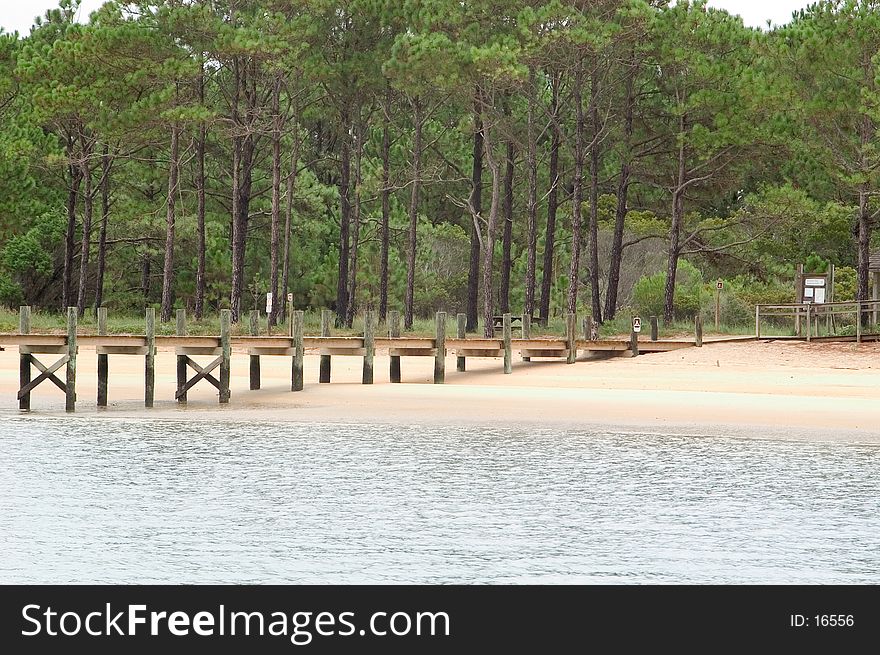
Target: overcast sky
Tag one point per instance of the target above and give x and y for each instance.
(19, 14)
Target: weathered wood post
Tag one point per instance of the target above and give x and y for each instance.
(440, 344)
(506, 336)
(103, 363)
(634, 343)
(369, 347)
(181, 359)
(225, 353)
(698, 331)
(394, 333)
(858, 322)
(324, 373)
(810, 321)
(255, 359)
(571, 337)
(150, 358)
(460, 360)
(297, 321)
(655, 328)
(526, 331)
(24, 359)
(587, 327)
(70, 392)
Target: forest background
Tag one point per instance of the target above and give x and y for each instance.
(606, 157)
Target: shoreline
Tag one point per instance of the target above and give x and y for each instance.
(821, 392)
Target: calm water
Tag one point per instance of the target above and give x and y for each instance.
(110, 500)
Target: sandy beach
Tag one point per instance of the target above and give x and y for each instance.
(787, 388)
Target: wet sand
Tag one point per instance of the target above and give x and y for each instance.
(827, 391)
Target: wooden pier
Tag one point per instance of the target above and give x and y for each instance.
(295, 345)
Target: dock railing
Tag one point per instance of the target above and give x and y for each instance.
(839, 319)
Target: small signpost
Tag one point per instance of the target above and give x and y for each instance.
(719, 287)
(637, 324)
(269, 302)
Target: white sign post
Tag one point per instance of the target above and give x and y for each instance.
(637, 324)
(268, 302)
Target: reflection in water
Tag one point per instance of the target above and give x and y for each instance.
(104, 500)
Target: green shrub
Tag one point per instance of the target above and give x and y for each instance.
(690, 292)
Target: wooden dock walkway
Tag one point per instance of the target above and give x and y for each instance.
(295, 345)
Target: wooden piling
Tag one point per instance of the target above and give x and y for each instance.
(461, 333)
(24, 359)
(506, 336)
(324, 374)
(181, 359)
(526, 331)
(226, 354)
(70, 386)
(297, 319)
(150, 358)
(394, 332)
(369, 348)
(571, 337)
(588, 327)
(698, 331)
(655, 328)
(103, 360)
(440, 344)
(634, 343)
(255, 359)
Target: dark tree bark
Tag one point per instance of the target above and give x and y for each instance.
(385, 232)
(413, 214)
(275, 230)
(105, 217)
(85, 247)
(200, 210)
(532, 211)
(345, 219)
(75, 174)
(146, 275)
(675, 228)
(489, 241)
(596, 298)
(477, 207)
(243, 150)
(288, 212)
(577, 194)
(552, 203)
(356, 229)
(623, 185)
(507, 233)
(170, 225)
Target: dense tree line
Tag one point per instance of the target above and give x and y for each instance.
(484, 156)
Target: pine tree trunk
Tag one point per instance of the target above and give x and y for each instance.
(170, 225)
(675, 229)
(596, 298)
(577, 195)
(344, 221)
(532, 211)
(75, 173)
(489, 241)
(85, 246)
(552, 204)
(385, 232)
(622, 200)
(102, 239)
(275, 230)
(288, 213)
(507, 233)
(413, 214)
(356, 230)
(243, 168)
(200, 210)
(477, 205)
